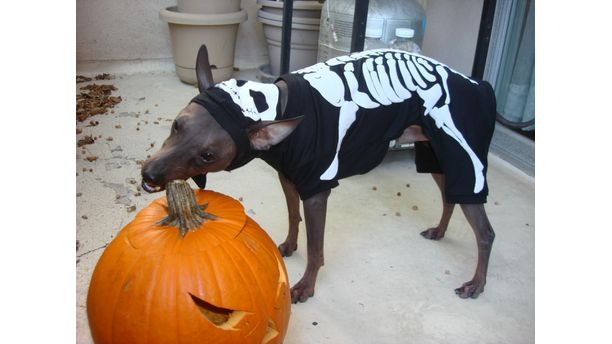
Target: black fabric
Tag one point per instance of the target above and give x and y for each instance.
(473, 110)
(229, 115)
(386, 91)
(425, 158)
(305, 154)
(308, 151)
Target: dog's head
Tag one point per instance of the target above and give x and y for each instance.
(220, 129)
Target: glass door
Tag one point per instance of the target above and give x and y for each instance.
(510, 64)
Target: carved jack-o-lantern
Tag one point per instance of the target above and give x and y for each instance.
(215, 279)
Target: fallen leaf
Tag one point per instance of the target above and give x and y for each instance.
(104, 76)
(95, 99)
(81, 78)
(87, 140)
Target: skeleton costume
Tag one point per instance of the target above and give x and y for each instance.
(353, 107)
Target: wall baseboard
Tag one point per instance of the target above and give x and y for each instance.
(125, 66)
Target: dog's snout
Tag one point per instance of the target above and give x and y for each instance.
(148, 176)
(150, 181)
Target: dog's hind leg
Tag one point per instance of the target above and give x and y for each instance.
(437, 233)
(477, 217)
(293, 206)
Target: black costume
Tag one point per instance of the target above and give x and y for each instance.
(354, 106)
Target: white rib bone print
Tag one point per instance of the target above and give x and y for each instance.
(385, 73)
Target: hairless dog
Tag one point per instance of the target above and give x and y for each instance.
(335, 119)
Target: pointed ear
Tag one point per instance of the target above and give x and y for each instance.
(266, 134)
(203, 71)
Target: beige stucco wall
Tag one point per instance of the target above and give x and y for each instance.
(121, 30)
(132, 30)
(452, 32)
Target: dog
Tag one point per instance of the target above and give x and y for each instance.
(336, 119)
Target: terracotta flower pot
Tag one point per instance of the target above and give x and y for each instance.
(188, 31)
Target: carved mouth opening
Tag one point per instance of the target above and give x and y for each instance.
(214, 314)
(223, 318)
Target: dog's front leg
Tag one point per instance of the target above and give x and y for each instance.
(293, 207)
(315, 209)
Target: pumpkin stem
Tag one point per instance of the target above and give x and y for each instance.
(183, 210)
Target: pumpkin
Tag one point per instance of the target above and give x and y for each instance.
(177, 274)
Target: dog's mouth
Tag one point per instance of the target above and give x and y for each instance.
(151, 188)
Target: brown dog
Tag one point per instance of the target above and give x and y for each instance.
(336, 119)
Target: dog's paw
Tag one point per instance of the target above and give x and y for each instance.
(302, 291)
(433, 233)
(470, 289)
(286, 249)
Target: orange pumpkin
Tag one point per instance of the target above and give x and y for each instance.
(222, 281)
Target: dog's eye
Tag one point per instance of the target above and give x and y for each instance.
(175, 126)
(207, 157)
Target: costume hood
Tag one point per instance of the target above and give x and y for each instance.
(236, 105)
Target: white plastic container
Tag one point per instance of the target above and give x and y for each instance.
(404, 40)
(373, 39)
(336, 27)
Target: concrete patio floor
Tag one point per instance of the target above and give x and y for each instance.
(381, 283)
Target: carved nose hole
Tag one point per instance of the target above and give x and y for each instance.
(214, 314)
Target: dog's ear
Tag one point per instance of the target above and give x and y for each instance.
(203, 71)
(266, 134)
